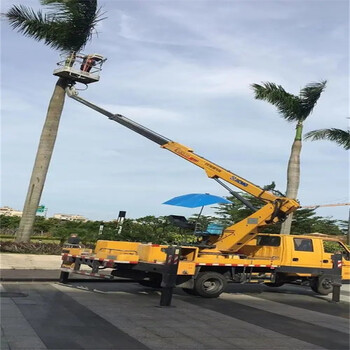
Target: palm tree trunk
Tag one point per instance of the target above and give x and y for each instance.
(42, 161)
(293, 175)
(348, 236)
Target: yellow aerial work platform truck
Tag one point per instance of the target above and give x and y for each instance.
(242, 253)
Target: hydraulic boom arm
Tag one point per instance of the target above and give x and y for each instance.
(235, 236)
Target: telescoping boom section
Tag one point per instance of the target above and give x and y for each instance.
(237, 235)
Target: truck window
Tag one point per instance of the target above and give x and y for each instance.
(268, 241)
(303, 245)
(335, 247)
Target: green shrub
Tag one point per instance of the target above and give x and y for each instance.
(38, 238)
(31, 248)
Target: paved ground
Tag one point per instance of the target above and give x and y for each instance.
(30, 267)
(120, 315)
(9, 261)
(17, 267)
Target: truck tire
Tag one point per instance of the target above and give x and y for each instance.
(64, 277)
(322, 284)
(209, 284)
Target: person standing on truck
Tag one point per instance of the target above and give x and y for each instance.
(73, 239)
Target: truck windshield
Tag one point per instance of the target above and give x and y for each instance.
(335, 247)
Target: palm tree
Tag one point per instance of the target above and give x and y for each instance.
(293, 109)
(67, 26)
(341, 137)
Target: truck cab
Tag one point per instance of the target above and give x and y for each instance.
(298, 257)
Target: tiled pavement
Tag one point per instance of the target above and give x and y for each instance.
(126, 316)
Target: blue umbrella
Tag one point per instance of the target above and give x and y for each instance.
(194, 200)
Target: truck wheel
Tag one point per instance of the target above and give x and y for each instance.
(209, 284)
(64, 277)
(275, 284)
(190, 291)
(322, 285)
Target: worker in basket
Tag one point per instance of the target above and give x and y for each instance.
(89, 61)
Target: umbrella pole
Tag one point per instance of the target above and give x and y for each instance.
(199, 215)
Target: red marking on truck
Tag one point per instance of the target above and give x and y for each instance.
(108, 263)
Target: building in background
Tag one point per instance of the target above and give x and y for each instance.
(10, 212)
(70, 217)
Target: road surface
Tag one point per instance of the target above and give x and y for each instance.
(124, 315)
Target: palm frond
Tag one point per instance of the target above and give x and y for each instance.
(309, 96)
(68, 25)
(25, 20)
(341, 137)
(80, 18)
(287, 104)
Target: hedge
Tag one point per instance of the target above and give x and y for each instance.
(31, 248)
(42, 238)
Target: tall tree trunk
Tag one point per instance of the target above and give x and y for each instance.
(348, 237)
(293, 175)
(42, 161)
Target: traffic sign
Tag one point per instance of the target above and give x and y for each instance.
(41, 209)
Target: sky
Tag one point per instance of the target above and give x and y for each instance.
(184, 70)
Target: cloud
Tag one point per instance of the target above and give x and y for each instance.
(182, 69)
(145, 113)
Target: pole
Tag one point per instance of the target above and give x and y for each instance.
(169, 275)
(336, 278)
(197, 221)
(323, 205)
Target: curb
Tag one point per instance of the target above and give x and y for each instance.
(27, 275)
